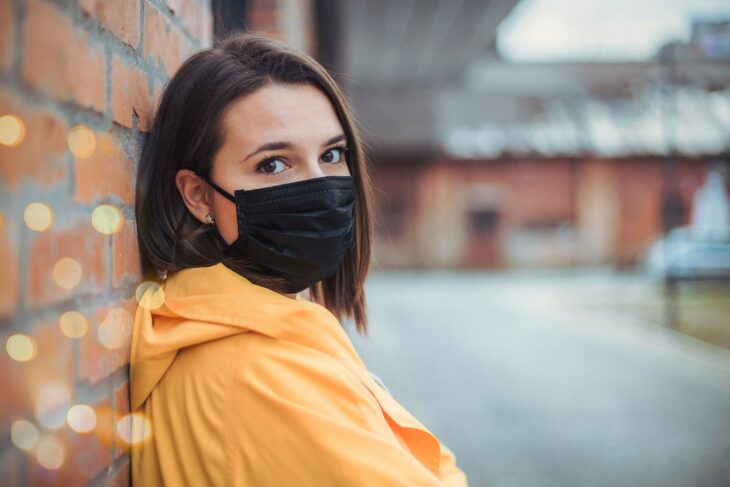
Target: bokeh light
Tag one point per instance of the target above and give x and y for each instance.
(51, 452)
(150, 295)
(24, 434)
(12, 130)
(116, 328)
(107, 219)
(81, 141)
(21, 347)
(67, 273)
(73, 324)
(81, 418)
(52, 404)
(38, 216)
(134, 428)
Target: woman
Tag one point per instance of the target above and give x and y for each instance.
(251, 189)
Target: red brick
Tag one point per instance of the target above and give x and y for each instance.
(121, 407)
(38, 476)
(120, 17)
(40, 156)
(121, 400)
(107, 172)
(89, 456)
(81, 242)
(7, 34)
(105, 425)
(120, 477)
(23, 381)
(189, 12)
(97, 361)
(85, 458)
(64, 65)
(17, 403)
(88, 6)
(9, 265)
(130, 95)
(127, 265)
(163, 42)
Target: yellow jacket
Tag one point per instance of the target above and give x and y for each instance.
(242, 386)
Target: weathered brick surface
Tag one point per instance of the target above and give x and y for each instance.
(127, 265)
(121, 18)
(80, 242)
(108, 172)
(9, 264)
(97, 361)
(130, 94)
(121, 408)
(163, 41)
(7, 31)
(66, 65)
(53, 364)
(79, 62)
(42, 154)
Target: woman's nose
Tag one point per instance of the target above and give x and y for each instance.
(313, 170)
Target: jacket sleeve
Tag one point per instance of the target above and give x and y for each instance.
(299, 418)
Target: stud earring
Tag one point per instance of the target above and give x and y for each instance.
(209, 219)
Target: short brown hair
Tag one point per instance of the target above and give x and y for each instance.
(186, 134)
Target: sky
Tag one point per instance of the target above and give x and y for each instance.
(599, 30)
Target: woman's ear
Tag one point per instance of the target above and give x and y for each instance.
(195, 194)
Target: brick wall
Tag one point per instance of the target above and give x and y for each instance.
(79, 80)
(551, 212)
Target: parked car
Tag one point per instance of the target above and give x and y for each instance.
(679, 256)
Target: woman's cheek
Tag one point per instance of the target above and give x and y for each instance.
(228, 223)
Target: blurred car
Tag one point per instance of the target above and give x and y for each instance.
(680, 256)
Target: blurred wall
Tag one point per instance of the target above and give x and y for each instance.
(80, 80)
(292, 21)
(521, 212)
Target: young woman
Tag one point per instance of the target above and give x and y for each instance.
(251, 189)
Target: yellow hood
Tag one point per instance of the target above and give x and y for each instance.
(207, 303)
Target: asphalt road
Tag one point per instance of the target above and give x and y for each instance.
(531, 385)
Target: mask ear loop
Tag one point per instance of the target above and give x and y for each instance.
(219, 189)
(227, 195)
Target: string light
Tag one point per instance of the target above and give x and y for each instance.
(38, 216)
(67, 273)
(12, 130)
(21, 347)
(81, 141)
(150, 295)
(107, 219)
(73, 324)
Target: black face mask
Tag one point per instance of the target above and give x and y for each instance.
(300, 230)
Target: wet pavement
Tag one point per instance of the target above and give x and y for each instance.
(531, 383)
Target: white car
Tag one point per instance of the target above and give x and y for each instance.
(680, 256)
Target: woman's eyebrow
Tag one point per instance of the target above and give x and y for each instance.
(289, 145)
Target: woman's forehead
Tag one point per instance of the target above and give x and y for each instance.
(297, 113)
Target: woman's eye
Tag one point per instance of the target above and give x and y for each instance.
(269, 166)
(340, 153)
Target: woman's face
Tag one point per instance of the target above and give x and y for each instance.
(277, 134)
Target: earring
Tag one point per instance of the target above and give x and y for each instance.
(209, 219)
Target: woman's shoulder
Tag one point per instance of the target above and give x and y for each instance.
(280, 370)
(254, 360)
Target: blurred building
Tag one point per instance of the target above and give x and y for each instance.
(483, 163)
